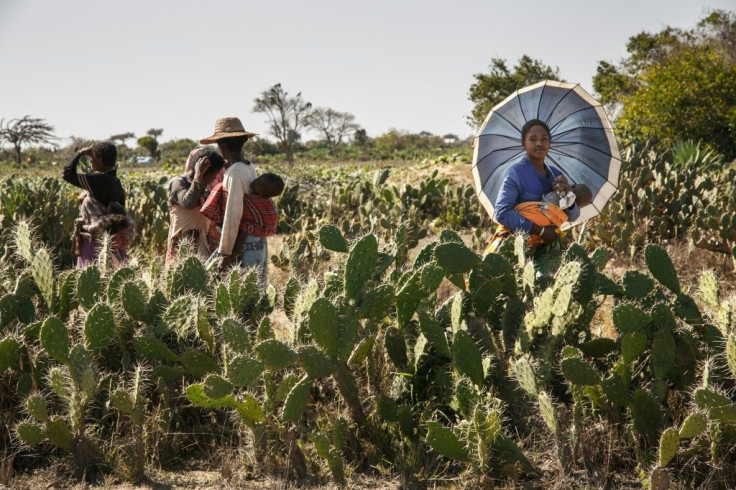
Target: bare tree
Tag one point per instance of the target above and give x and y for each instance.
(333, 125)
(285, 115)
(26, 130)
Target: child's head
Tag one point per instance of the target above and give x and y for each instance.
(267, 185)
(583, 194)
(104, 156)
(118, 224)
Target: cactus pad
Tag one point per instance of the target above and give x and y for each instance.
(636, 284)
(719, 407)
(455, 257)
(445, 442)
(42, 269)
(58, 433)
(30, 433)
(579, 372)
(215, 386)
(9, 348)
(693, 425)
(55, 339)
(243, 370)
(36, 406)
(88, 286)
(526, 377)
(669, 443)
(133, 299)
(396, 347)
(661, 268)
(315, 362)
(116, 281)
(360, 265)
(628, 317)
(467, 358)
(377, 302)
(663, 353)
(434, 332)
(296, 401)
(153, 349)
(330, 237)
(198, 364)
(99, 327)
(275, 354)
(549, 414)
(324, 323)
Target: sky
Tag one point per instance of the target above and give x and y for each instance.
(94, 68)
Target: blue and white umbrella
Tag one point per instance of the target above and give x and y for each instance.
(583, 145)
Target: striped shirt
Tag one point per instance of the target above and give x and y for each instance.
(105, 186)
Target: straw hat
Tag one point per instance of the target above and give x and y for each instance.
(227, 127)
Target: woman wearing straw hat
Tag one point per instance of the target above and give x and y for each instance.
(230, 136)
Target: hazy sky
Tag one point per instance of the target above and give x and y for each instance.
(93, 68)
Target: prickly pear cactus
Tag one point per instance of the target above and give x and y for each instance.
(467, 357)
(24, 241)
(42, 268)
(445, 442)
(324, 324)
(693, 426)
(189, 276)
(669, 443)
(88, 286)
(99, 327)
(296, 401)
(330, 237)
(55, 339)
(9, 348)
(661, 268)
(455, 257)
(360, 265)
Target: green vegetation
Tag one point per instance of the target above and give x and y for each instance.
(387, 334)
(676, 85)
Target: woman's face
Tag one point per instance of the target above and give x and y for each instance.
(536, 143)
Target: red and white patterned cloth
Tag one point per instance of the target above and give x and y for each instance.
(260, 217)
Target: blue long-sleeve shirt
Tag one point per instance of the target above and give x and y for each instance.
(522, 183)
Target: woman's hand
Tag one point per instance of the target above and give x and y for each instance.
(86, 152)
(546, 233)
(200, 168)
(549, 234)
(561, 185)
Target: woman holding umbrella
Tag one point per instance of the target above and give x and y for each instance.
(528, 180)
(508, 171)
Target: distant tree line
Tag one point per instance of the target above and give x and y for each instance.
(673, 85)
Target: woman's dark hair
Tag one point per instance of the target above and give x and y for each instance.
(234, 144)
(106, 152)
(216, 160)
(530, 124)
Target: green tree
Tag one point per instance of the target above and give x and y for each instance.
(150, 144)
(691, 96)
(675, 85)
(24, 131)
(491, 88)
(155, 132)
(286, 116)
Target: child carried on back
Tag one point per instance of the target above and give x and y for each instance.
(260, 216)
